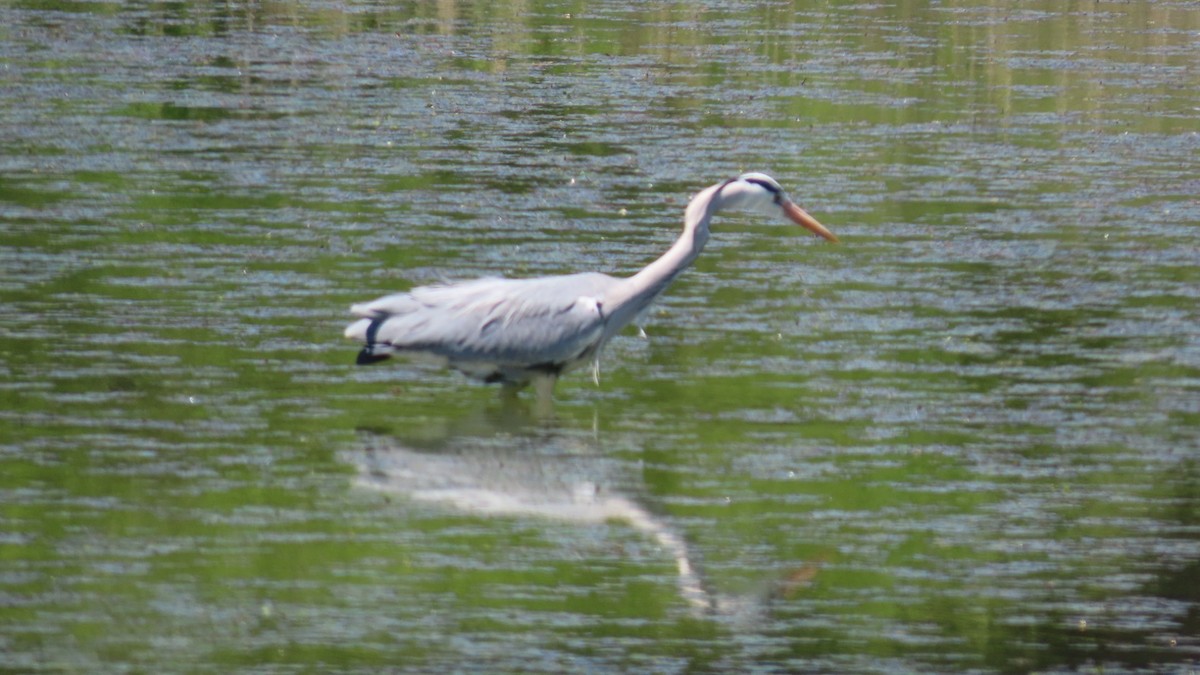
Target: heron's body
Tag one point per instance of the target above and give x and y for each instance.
(496, 330)
(517, 330)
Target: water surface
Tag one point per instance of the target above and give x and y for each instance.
(964, 439)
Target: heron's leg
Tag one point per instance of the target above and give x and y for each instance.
(544, 386)
(596, 371)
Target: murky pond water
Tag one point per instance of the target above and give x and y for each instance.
(964, 439)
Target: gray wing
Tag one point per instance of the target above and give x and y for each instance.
(502, 322)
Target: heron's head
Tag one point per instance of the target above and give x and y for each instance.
(760, 192)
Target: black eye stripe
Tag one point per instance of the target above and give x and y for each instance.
(772, 188)
(767, 185)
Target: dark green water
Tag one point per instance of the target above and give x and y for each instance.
(964, 439)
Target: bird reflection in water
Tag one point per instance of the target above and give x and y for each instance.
(545, 475)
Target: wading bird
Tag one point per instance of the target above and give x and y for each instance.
(514, 331)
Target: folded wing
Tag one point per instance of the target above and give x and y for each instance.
(491, 328)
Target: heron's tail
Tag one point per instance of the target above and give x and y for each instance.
(364, 330)
(373, 354)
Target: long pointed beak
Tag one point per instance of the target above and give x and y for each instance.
(800, 217)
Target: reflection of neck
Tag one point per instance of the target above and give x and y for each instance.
(625, 301)
(691, 586)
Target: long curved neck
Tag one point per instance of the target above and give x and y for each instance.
(626, 300)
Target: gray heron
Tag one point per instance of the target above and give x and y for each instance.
(517, 331)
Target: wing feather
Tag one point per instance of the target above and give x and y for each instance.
(517, 322)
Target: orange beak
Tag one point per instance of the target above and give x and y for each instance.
(801, 218)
